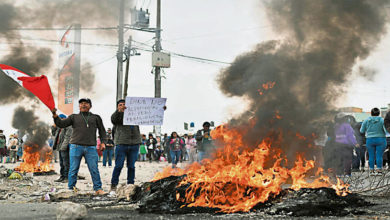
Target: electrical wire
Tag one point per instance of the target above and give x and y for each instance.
(61, 28)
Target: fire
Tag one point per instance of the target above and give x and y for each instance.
(266, 86)
(240, 177)
(32, 161)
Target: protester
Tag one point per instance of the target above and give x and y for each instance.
(19, 153)
(109, 151)
(142, 149)
(158, 152)
(191, 148)
(166, 147)
(127, 140)
(61, 144)
(204, 142)
(99, 149)
(3, 146)
(375, 132)
(360, 160)
(13, 148)
(83, 142)
(151, 144)
(344, 144)
(175, 144)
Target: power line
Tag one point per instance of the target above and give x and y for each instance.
(70, 42)
(101, 62)
(61, 28)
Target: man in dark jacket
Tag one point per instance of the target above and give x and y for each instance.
(109, 151)
(204, 142)
(127, 140)
(151, 145)
(83, 142)
(3, 146)
(61, 143)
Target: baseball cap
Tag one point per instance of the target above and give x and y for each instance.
(87, 100)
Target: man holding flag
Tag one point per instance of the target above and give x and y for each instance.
(84, 124)
(83, 142)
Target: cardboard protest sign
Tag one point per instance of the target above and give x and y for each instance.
(144, 111)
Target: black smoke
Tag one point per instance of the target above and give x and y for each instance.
(36, 60)
(28, 124)
(322, 41)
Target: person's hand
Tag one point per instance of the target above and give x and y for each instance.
(102, 146)
(357, 145)
(54, 112)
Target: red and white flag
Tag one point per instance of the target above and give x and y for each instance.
(39, 86)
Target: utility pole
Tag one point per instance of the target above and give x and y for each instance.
(77, 67)
(157, 70)
(119, 79)
(128, 54)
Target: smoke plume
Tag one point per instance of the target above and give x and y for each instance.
(27, 123)
(46, 14)
(322, 42)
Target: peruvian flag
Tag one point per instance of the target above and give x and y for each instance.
(39, 86)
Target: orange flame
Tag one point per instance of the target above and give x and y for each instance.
(32, 161)
(266, 86)
(239, 177)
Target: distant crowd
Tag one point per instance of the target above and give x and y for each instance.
(350, 144)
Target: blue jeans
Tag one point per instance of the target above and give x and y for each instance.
(108, 153)
(122, 152)
(175, 155)
(375, 148)
(76, 152)
(143, 157)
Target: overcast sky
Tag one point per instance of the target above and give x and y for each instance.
(218, 30)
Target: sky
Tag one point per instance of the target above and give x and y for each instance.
(218, 30)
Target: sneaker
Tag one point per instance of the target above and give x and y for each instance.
(372, 173)
(379, 172)
(60, 180)
(100, 192)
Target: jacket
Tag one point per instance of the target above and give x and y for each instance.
(176, 144)
(13, 142)
(203, 144)
(152, 142)
(84, 133)
(387, 121)
(61, 139)
(344, 134)
(125, 134)
(3, 141)
(373, 127)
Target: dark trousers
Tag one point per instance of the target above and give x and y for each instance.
(150, 154)
(107, 156)
(344, 158)
(359, 161)
(64, 163)
(122, 152)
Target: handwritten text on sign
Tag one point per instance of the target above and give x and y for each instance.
(144, 111)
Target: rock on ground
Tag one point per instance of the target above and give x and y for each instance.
(70, 211)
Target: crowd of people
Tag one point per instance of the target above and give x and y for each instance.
(351, 143)
(11, 151)
(75, 137)
(347, 146)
